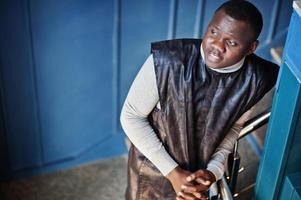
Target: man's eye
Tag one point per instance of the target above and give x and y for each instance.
(231, 43)
(213, 32)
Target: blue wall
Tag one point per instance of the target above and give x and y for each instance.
(66, 67)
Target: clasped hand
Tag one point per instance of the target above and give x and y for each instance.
(191, 186)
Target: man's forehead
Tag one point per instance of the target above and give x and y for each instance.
(231, 26)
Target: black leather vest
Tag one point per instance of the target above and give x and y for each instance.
(198, 107)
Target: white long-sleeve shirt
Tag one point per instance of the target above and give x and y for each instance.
(141, 99)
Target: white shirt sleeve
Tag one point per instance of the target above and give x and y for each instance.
(141, 99)
(218, 160)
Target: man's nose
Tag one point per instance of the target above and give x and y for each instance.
(219, 45)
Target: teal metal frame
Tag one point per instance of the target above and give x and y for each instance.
(281, 156)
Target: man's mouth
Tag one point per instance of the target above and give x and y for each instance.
(214, 56)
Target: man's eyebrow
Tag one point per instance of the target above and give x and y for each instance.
(218, 28)
(214, 26)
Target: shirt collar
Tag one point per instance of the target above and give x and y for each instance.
(228, 69)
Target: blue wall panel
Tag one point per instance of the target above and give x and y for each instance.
(73, 53)
(276, 14)
(142, 23)
(282, 20)
(186, 24)
(23, 137)
(209, 8)
(267, 12)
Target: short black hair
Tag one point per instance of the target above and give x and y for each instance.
(244, 11)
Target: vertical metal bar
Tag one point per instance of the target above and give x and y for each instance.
(224, 190)
(234, 174)
(235, 151)
(116, 65)
(199, 21)
(235, 168)
(172, 24)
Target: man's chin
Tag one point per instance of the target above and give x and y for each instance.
(214, 65)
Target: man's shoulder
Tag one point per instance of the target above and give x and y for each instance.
(259, 61)
(262, 65)
(175, 53)
(264, 71)
(175, 43)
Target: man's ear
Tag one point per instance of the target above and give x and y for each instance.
(253, 47)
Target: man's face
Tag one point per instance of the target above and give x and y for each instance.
(227, 41)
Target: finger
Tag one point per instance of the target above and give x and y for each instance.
(190, 177)
(187, 188)
(180, 198)
(195, 188)
(203, 181)
(186, 196)
(197, 195)
(193, 176)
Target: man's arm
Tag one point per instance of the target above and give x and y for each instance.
(141, 99)
(218, 160)
(216, 166)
